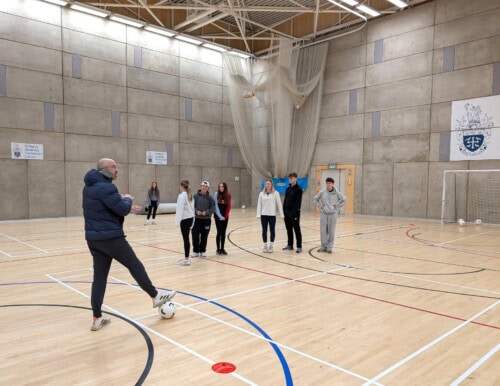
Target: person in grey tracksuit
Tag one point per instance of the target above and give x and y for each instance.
(329, 200)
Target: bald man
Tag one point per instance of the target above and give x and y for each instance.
(104, 210)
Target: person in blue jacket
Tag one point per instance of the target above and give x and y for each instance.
(104, 211)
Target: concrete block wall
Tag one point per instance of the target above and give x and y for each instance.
(387, 101)
(87, 88)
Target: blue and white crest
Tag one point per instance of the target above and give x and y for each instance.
(473, 131)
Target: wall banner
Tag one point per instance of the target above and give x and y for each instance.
(156, 157)
(475, 129)
(26, 150)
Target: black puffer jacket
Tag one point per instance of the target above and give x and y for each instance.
(103, 208)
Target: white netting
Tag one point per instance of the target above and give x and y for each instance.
(471, 195)
(276, 131)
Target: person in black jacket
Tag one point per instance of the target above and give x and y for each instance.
(291, 208)
(104, 210)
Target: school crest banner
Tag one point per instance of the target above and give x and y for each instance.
(475, 129)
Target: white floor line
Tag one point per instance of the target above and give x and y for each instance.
(5, 253)
(428, 346)
(260, 337)
(476, 365)
(427, 280)
(22, 242)
(461, 238)
(251, 290)
(153, 331)
(266, 287)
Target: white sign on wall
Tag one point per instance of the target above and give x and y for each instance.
(156, 157)
(475, 129)
(26, 150)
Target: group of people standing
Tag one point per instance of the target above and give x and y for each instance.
(104, 210)
(194, 212)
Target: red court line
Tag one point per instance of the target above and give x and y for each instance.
(353, 293)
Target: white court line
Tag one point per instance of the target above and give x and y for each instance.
(429, 345)
(166, 338)
(462, 238)
(260, 337)
(476, 365)
(22, 242)
(5, 253)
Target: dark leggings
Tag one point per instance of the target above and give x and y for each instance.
(104, 252)
(185, 228)
(220, 238)
(265, 220)
(152, 208)
(200, 232)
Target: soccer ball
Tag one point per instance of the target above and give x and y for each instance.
(167, 310)
(461, 222)
(478, 222)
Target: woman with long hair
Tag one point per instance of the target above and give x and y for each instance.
(184, 217)
(153, 201)
(222, 199)
(269, 200)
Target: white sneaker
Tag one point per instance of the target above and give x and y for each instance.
(162, 297)
(147, 222)
(99, 323)
(203, 254)
(153, 222)
(184, 262)
(265, 248)
(195, 254)
(270, 247)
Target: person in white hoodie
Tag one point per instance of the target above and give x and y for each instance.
(329, 201)
(269, 200)
(184, 216)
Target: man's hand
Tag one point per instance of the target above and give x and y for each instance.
(136, 208)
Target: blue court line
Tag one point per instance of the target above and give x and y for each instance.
(281, 357)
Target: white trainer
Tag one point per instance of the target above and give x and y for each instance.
(203, 254)
(99, 323)
(195, 254)
(265, 248)
(162, 297)
(184, 262)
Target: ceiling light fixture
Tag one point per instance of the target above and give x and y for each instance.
(368, 10)
(62, 3)
(214, 47)
(88, 9)
(188, 39)
(127, 20)
(160, 31)
(399, 3)
(350, 2)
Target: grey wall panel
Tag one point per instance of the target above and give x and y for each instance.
(76, 66)
(188, 109)
(48, 115)
(376, 124)
(496, 79)
(3, 80)
(448, 59)
(115, 123)
(353, 102)
(444, 146)
(138, 57)
(378, 52)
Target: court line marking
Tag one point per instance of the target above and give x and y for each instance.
(252, 290)
(22, 242)
(5, 253)
(155, 332)
(461, 238)
(281, 345)
(429, 345)
(476, 365)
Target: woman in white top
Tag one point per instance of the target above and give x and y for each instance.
(184, 216)
(269, 200)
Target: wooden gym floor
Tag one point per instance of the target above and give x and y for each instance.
(399, 302)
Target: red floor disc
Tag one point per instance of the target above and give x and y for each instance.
(223, 367)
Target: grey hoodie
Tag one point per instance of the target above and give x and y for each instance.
(204, 203)
(329, 202)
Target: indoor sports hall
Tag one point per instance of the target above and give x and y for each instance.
(307, 190)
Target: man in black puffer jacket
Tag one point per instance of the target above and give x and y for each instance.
(104, 210)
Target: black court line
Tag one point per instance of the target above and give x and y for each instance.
(351, 277)
(149, 343)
